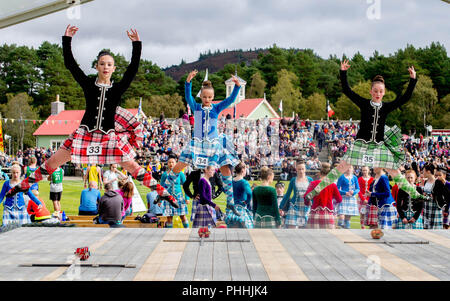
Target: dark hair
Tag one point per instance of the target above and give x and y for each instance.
(207, 85)
(239, 168)
(430, 167)
(103, 53)
(128, 190)
(378, 79)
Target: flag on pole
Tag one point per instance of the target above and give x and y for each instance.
(330, 112)
(206, 78)
(140, 108)
(2, 148)
(280, 107)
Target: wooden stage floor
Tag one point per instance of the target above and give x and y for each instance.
(229, 254)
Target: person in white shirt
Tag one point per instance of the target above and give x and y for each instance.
(113, 176)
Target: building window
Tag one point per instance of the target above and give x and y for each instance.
(55, 144)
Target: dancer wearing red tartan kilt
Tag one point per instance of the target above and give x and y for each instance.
(107, 133)
(321, 215)
(364, 184)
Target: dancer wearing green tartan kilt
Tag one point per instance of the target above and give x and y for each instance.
(376, 145)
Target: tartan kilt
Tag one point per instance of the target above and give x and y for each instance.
(266, 221)
(243, 221)
(15, 215)
(385, 154)
(387, 216)
(297, 215)
(371, 217)
(432, 216)
(348, 206)
(203, 217)
(117, 145)
(321, 218)
(218, 152)
(418, 224)
(171, 211)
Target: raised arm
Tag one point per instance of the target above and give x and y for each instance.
(228, 101)
(69, 60)
(188, 90)
(402, 99)
(133, 67)
(355, 98)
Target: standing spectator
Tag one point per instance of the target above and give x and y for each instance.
(387, 214)
(88, 200)
(322, 210)
(409, 210)
(14, 208)
(294, 208)
(110, 207)
(434, 208)
(364, 184)
(348, 188)
(113, 175)
(94, 174)
(242, 194)
(440, 175)
(56, 189)
(265, 209)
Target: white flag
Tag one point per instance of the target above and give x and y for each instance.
(206, 78)
(280, 107)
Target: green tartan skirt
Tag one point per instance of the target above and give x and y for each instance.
(386, 154)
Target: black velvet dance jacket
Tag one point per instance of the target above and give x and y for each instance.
(101, 101)
(373, 118)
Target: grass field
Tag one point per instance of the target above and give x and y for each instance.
(72, 191)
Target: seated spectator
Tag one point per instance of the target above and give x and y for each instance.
(110, 207)
(156, 209)
(88, 200)
(126, 191)
(38, 213)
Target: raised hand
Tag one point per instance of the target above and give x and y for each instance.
(134, 36)
(71, 31)
(412, 72)
(235, 80)
(191, 75)
(345, 65)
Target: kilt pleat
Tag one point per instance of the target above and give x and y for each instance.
(432, 216)
(243, 221)
(348, 206)
(371, 217)
(265, 222)
(15, 215)
(203, 217)
(418, 224)
(387, 216)
(321, 218)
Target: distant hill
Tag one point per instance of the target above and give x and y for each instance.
(213, 62)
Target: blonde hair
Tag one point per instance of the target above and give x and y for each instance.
(265, 173)
(325, 169)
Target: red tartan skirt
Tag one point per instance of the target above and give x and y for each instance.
(114, 147)
(371, 216)
(321, 218)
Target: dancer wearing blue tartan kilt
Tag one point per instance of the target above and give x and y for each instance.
(348, 188)
(203, 216)
(433, 217)
(294, 209)
(242, 194)
(387, 213)
(176, 190)
(207, 147)
(376, 145)
(409, 210)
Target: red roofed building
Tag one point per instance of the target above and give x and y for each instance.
(59, 125)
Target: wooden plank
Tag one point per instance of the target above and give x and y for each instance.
(253, 262)
(435, 236)
(138, 252)
(239, 271)
(162, 264)
(348, 257)
(94, 247)
(277, 262)
(397, 266)
(188, 262)
(221, 263)
(302, 254)
(204, 267)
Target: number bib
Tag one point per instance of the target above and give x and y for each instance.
(368, 159)
(94, 150)
(201, 161)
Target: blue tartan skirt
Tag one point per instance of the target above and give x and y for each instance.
(243, 221)
(15, 215)
(432, 216)
(218, 152)
(171, 211)
(203, 217)
(418, 224)
(297, 214)
(348, 206)
(387, 216)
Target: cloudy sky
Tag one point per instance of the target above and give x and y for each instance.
(172, 30)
